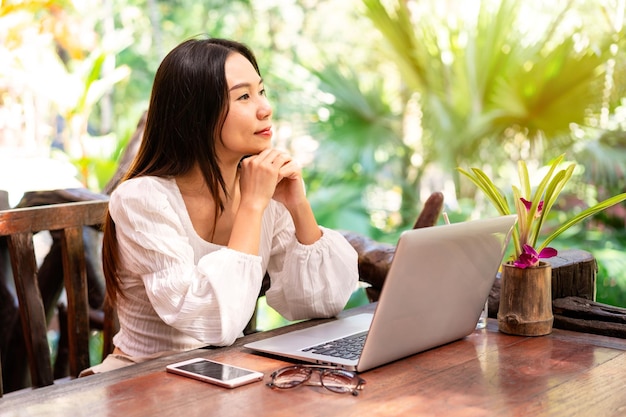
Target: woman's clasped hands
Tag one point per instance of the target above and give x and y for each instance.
(272, 174)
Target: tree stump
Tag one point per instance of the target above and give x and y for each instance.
(574, 274)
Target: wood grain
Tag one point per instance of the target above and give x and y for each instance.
(485, 374)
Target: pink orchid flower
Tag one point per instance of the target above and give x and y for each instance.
(529, 204)
(530, 257)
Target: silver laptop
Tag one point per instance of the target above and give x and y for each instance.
(434, 292)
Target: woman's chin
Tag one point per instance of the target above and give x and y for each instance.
(258, 148)
(265, 146)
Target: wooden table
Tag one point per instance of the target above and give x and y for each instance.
(486, 374)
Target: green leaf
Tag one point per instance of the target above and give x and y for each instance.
(493, 193)
(524, 181)
(582, 216)
(552, 193)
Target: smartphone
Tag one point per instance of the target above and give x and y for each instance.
(217, 373)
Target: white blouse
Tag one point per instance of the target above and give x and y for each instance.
(182, 292)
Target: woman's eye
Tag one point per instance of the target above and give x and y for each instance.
(244, 97)
(262, 92)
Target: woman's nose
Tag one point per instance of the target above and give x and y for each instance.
(265, 109)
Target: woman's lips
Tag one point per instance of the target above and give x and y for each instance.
(264, 132)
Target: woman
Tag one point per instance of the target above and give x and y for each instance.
(207, 207)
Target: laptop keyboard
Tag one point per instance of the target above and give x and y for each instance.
(348, 347)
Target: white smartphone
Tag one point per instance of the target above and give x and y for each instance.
(217, 373)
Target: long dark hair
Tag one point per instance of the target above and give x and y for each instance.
(187, 109)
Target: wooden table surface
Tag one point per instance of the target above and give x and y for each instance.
(485, 374)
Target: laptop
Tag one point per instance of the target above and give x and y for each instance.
(436, 288)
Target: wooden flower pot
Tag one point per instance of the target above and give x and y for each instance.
(526, 300)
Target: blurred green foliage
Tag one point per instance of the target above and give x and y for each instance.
(381, 101)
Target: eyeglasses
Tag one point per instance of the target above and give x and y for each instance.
(333, 379)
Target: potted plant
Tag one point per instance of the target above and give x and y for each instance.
(525, 295)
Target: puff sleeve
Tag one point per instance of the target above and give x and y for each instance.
(310, 281)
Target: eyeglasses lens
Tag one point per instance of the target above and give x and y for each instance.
(291, 377)
(339, 381)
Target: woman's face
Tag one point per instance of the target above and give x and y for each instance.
(247, 129)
